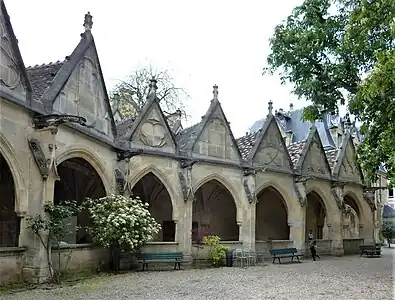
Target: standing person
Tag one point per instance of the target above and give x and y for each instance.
(310, 235)
(313, 250)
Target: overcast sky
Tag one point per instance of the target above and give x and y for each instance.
(203, 42)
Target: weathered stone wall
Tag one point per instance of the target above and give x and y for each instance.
(11, 265)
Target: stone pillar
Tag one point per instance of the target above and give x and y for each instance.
(42, 177)
(248, 211)
(184, 229)
(335, 234)
(250, 220)
(297, 229)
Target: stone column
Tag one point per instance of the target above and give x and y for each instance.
(335, 234)
(335, 220)
(42, 177)
(250, 220)
(184, 229)
(248, 209)
(297, 229)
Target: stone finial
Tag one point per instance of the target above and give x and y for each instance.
(270, 107)
(88, 22)
(152, 87)
(215, 92)
(117, 101)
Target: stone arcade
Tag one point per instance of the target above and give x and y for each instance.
(59, 141)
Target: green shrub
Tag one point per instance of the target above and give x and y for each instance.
(217, 252)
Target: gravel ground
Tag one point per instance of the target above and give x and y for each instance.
(349, 277)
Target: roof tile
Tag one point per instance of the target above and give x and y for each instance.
(295, 150)
(41, 77)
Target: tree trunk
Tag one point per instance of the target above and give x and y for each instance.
(115, 258)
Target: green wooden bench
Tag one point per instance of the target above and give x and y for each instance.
(161, 257)
(284, 253)
(370, 250)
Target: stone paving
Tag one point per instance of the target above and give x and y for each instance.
(349, 277)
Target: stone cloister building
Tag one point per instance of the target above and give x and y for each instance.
(59, 141)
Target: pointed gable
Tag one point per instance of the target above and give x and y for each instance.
(347, 168)
(212, 136)
(269, 149)
(14, 81)
(79, 89)
(313, 160)
(150, 129)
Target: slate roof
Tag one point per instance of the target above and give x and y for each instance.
(292, 121)
(245, 144)
(185, 135)
(295, 150)
(388, 211)
(124, 126)
(41, 77)
(332, 156)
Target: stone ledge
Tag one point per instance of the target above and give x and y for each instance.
(11, 251)
(161, 243)
(74, 246)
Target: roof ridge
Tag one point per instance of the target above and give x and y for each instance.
(45, 65)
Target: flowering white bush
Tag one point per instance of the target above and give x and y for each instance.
(119, 221)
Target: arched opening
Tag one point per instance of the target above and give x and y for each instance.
(351, 218)
(9, 221)
(78, 181)
(271, 216)
(315, 216)
(214, 212)
(152, 191)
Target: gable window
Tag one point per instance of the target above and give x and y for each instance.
(391, 193)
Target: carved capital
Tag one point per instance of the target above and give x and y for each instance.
(249, 188)
(369, 197)
(39, 156)
(300, 190)
(120, 181)
(185, 178)
(337, 191)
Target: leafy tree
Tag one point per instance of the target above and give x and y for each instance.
(131, 94)
(338, 52)
(388, 231)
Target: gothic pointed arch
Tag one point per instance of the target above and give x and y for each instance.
(151, 188)
(271, 215)
(214, 211)
(77, 151)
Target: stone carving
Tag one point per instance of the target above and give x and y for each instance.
(272, 150)
(45, 164)
(349, 167)
(152, 133)
(249, 188)
(350, 222)
(300, 190)
(186, 184)
(368, 195)
(315, 161)
(120, 181)
(338, 194)
(9, 75)
(88, 85)
(39, 156)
